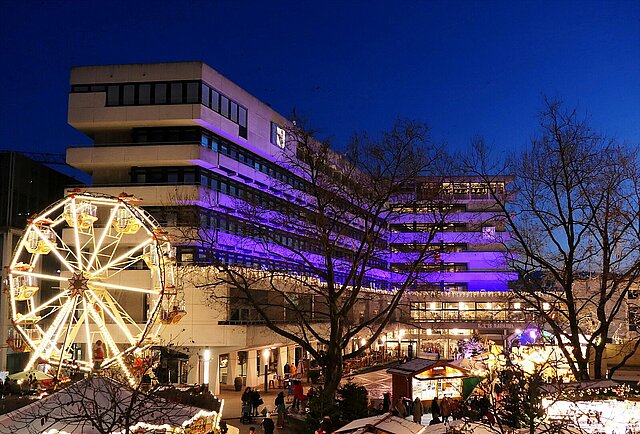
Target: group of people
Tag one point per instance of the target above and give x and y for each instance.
(251, 400)
(405, 407)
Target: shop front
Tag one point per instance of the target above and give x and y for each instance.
(428, 379)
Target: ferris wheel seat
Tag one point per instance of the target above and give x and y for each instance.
(40, 247)
(18, 345)
(25, 292)
(173, 316)
(129, 226)
(33, 319)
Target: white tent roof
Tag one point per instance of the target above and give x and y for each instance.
(96, 401)
(385, 422)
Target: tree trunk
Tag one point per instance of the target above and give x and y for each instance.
(332, 372)
(597, 362)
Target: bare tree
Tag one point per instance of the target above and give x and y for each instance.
(322, 234)
(572, 213)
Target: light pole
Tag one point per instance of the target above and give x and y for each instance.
(400, 335)
(265, 354)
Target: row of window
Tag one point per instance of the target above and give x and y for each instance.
(436, 247)
(443, 267)
(219, 144)
(200, 176)
(487, 231)
(171, 92)
(428, 227)
(207, 219)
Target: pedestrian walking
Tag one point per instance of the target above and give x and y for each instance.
(417, 410)
(281, 409)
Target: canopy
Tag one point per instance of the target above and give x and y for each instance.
(99, 404)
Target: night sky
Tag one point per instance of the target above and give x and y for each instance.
(467, 68)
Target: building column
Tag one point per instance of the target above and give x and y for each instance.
(213, 370)
(252, 373)
(232, 367)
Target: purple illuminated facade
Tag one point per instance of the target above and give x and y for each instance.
(170, 130)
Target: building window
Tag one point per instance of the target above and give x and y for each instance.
(113, 95)
(278, 135)
(160, 93)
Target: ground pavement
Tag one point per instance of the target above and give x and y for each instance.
(376, 382)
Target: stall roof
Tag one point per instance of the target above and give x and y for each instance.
(418, 365)
(382, 423)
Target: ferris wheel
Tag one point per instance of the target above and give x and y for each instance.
(92, 280)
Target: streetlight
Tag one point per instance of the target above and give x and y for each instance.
(265, 354)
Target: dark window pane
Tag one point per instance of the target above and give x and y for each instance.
(242, 116)
(274, 133)
(97, 88)
(192, 92)
(144, 96)
(215, 100)
(176, 93)
(113, 95)
(224, 106)
(234, 112)
(205, 95)
(129, 94)
(80, 88)
(160, 93)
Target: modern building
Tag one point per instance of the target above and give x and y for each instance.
(182, 130)
(26, 187)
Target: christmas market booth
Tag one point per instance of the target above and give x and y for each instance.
(102, 405)
(428, 379)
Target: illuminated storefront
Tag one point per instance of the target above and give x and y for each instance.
(428, 379)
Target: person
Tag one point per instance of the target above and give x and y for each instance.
(292, 371)
(286, 369)
(281, 409)
(298, 394)
(252, 430)
(445, 408)
(435, 409)
(267, 425)
(256, 401)
(400, 408)
(386, 402)
(417, 410)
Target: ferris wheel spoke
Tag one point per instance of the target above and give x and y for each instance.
(47, 337)
(35, 310)
(87, 329)
(116, 317)
(76, 233)
(129, 254)
(39, 275)
(53, 249)
(66, 343)
(104, 332)
(126, 288)
(107, 229)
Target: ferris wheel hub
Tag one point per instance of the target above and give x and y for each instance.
(78, 284)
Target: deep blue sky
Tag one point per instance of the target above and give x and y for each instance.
(466, 67)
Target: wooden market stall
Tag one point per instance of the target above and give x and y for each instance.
(427, 379)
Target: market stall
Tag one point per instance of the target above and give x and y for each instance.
(428, 379)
